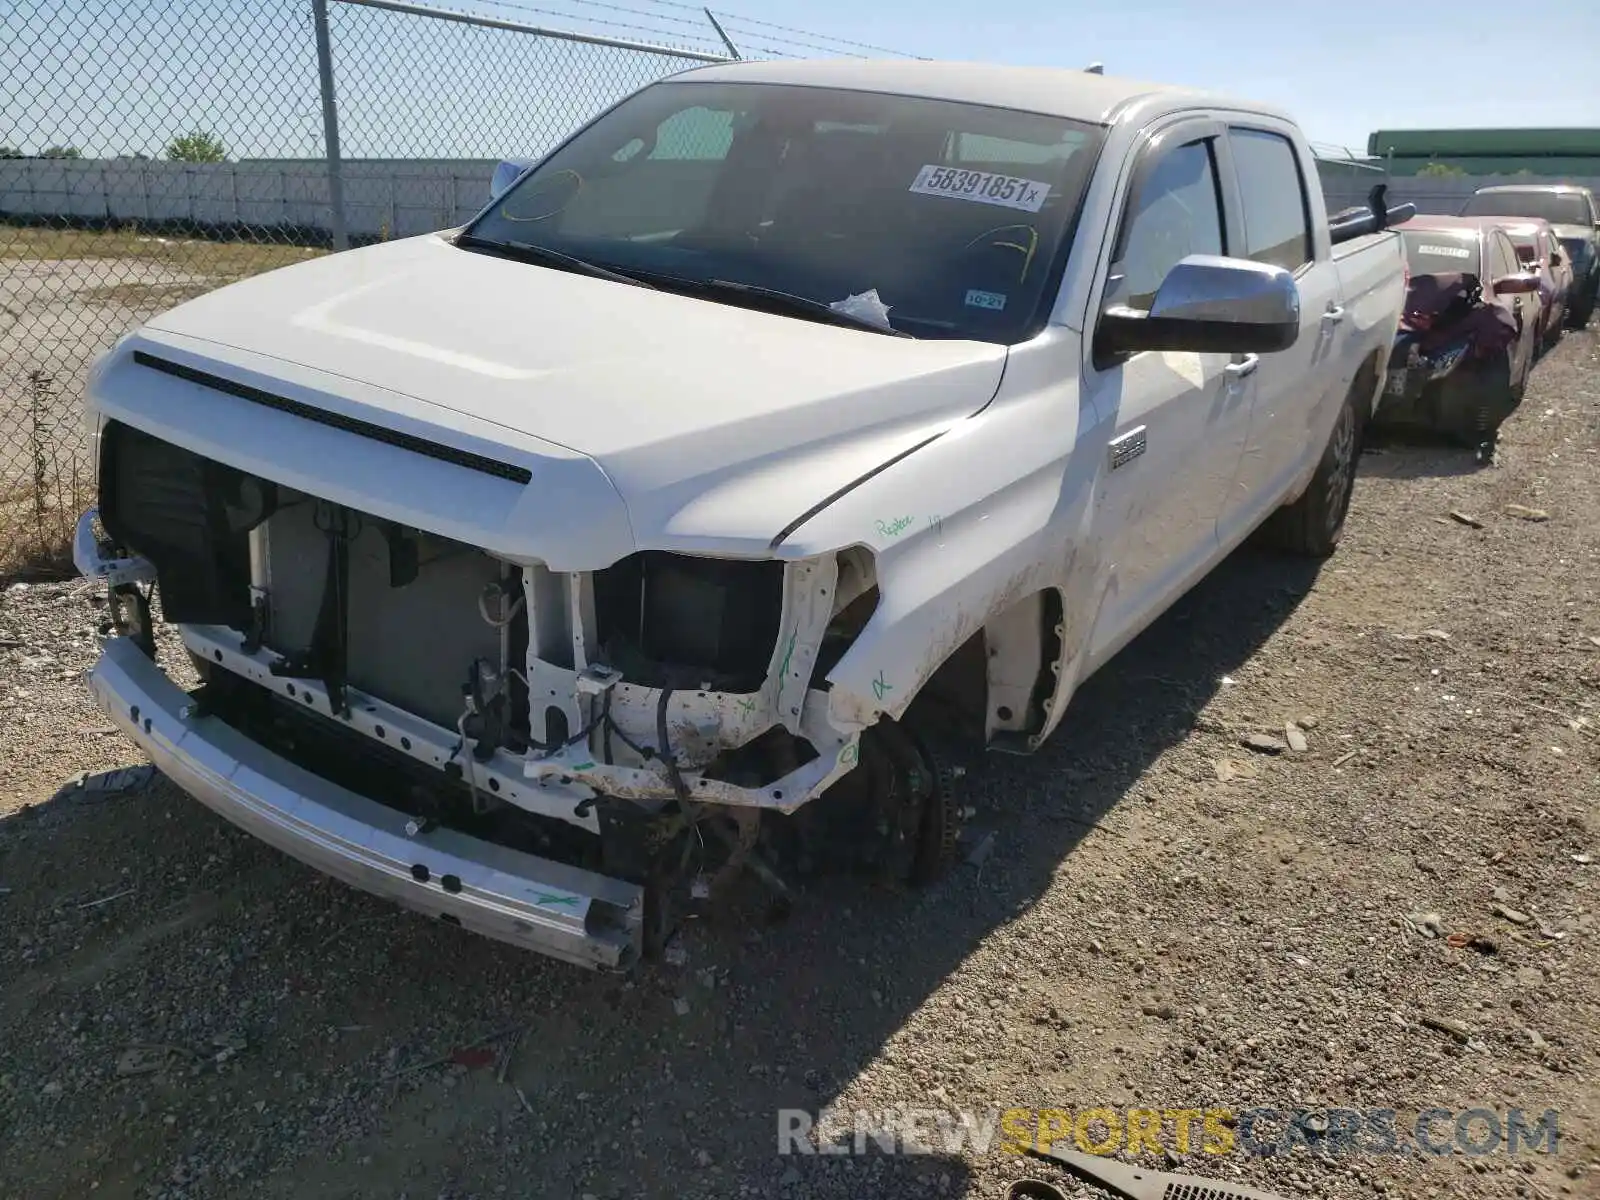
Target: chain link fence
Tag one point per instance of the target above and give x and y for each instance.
(100, 228)
(152, 150)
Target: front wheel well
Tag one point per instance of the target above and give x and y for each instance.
(954, 701)
(998, 686)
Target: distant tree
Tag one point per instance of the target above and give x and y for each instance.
(197, 146)
(60, 152)
(1439, 170)
(10, 152)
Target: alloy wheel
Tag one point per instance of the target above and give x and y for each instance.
(1342, 455)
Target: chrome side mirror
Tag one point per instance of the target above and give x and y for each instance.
(1210, 304)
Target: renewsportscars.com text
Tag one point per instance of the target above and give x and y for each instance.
(1259, 1131)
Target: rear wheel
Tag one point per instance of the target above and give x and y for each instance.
(1314, 524)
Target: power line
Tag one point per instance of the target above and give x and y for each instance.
(789, 41)
(697, 25)
(653, 31)
(731, 17)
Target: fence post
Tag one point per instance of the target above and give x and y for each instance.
(330, 124)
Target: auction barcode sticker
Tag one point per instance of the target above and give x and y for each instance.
(985, 187)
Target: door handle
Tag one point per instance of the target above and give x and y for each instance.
(1245, 366)
(1334, 314)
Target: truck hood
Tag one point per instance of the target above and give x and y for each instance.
(717, 425)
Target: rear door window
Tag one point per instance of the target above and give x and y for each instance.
(1277, 220)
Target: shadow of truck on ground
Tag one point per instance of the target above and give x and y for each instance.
(666, 1084)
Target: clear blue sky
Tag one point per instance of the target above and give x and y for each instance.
(1475, 63)
(119, 76)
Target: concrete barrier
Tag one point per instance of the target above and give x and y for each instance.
(392, 198)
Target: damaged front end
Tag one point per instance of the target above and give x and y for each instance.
(1449, 368)
(560, 759)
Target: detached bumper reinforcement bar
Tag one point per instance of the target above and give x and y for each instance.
(531, 902)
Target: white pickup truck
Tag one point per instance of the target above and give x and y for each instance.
(787, 428)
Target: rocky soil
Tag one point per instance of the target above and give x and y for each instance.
(1401, 914)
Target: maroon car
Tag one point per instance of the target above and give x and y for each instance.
(1540, 251)
(1466, 344)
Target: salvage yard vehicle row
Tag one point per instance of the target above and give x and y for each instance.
(1487, 293)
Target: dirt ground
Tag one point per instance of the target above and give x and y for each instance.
(1162, 918)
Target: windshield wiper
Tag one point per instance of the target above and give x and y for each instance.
(549, 257)
(797, 304)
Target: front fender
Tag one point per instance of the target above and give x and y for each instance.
(961, 530)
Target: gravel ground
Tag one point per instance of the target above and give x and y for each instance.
(1164, 917)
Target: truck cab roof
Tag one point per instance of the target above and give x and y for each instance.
(1052, 91)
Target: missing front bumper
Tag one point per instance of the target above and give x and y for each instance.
(279, 742)
(534, 903)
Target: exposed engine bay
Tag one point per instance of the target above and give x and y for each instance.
(663, 721)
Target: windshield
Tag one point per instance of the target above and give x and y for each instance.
(1559, 208)
(954, 215)
(1430, 252)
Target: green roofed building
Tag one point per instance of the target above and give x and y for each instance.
(1543, 153)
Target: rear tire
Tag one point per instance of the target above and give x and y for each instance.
(1314, 524)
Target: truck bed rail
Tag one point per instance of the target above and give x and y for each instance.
(1351, 223)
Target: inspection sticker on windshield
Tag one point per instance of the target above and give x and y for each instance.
(985, 187)
(993, 301)
(1446, 251)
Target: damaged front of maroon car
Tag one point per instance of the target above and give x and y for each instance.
(1457, 366)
